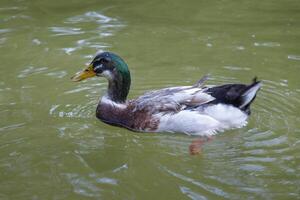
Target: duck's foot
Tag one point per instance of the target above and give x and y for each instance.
(196, 146)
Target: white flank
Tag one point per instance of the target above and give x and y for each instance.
(203, 123)
(229, 116)
(189, 122)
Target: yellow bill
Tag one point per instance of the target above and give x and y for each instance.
(87, 73)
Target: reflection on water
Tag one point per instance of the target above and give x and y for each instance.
(211, 189)
(92, 24)
(267, 44)
(294, 57)
(53, 147)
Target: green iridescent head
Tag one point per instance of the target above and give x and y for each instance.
(112, 67)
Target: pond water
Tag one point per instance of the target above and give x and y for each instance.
(53, 147)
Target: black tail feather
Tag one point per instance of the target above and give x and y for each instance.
(238, 95)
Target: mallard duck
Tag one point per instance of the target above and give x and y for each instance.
(195, 110)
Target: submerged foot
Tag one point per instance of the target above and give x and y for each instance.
(196, 146)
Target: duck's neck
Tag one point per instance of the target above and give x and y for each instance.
(118, 87)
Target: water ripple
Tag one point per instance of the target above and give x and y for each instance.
(123, 167)
(11, 127)
(73, 111)
(216, 80)
(277, 101)
(14, 17)
(192, 195)
(267, 44)
(83, 186)
(106, 180)
(250, 167)
(90, 17)
(93, 25)
(236, 68)
(31, 70)
(57, 74)
(293, 57)
(79, 89)
(66, 31)
(5, 30)
(214, 190)
(267, 143)
(13, 8)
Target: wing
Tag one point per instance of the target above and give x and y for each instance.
(172, 99)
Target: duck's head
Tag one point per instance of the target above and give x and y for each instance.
(104, 64)
(114, 69)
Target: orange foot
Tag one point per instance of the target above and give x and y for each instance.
(196, 146)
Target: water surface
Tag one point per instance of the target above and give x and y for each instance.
(53, 147)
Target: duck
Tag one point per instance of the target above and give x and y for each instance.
(199, 109)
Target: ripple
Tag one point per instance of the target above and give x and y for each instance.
(5, 30)
(14, 142)
(267, 44)
(240, 48)
(256, 135)
(216, 80)
(192, 195)
(293, 57)
(3, 40)
(257, 159)
(236, 68)
(271, 145)
(90, 17)
(83, 186)
(81, 44)
(255, 152)
(253, 190)
(211, 189)
(30, 70)
(57, 74)
(277, 101)
(106, 180)
(88, 42)
(59, 31)
(267, 143)
(69, 50)
(94, 25)
(252, 168)
(265, 151)
(36, 41)
(11, 127)
(14, 17)
(5, 89)
(123, 167)
(13, 8)
(79, 89)
(91, 87)
(73, 111)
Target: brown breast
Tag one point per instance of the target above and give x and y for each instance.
(127, 117)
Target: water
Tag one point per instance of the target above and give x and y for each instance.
(53, 147)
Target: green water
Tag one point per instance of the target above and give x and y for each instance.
(53, 147)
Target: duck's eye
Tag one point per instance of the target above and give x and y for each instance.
(104, 60)
(98, 68)
(96, 63)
